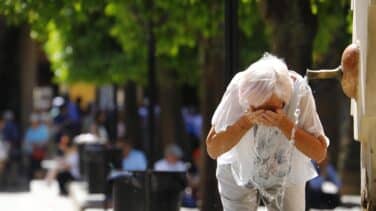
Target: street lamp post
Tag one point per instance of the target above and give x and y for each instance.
(151, 90)
(231, 39)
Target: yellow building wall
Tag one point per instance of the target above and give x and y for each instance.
(84, 90)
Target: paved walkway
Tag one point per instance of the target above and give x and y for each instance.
(48, 201)
(46, 198)
(37, 202)
(40, 198)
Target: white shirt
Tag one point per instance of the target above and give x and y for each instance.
(72, 160)
(241, 154)
(163, 165)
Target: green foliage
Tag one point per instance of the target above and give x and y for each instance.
(77, 41)
(76, 38)
(253, 33)
(335, 21)
(106, 40)
(181, 25)
(177, 25)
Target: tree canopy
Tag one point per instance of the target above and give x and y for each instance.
(75, 36)
(106, 41)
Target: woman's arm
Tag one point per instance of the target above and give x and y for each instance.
(219, 143)
(308, 144)
(311, 146)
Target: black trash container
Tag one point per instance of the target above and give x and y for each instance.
(98, 161)
(81, 149)
(96, 168)
(81, 141)
(148, 191)
(166, 190)
(114, 157)
(129, 191)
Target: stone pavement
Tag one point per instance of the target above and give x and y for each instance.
(48, 201)
(45, 198)
(34, 201)
(40, 198)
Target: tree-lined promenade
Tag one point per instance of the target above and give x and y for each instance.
(165, 46)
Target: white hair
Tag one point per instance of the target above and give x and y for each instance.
(261, 79)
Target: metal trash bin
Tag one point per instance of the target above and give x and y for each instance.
(114, 157)
(148, 190)
(129, 191)
(96, 168)
(99, 159)
(81, 141)
(167, 189)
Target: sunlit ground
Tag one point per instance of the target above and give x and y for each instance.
(51, 202)
(45, 198)
(39, 198)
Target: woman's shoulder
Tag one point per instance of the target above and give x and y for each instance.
(234, 83)
(299, 80)
(295, 76)
(237, 77)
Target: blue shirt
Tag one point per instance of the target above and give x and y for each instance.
(331, 176)
(10, 131)
(135, 161)
(37, 135)
(73, 112)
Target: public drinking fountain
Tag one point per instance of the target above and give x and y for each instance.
(347, 73)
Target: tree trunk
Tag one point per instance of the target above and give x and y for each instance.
(28, 68)
(336, 106)
(171, 122)
(212, 89)
(132, 121)
(331, 103)
(293, 28)
(9, 68)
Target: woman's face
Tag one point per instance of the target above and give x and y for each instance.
(273, 103)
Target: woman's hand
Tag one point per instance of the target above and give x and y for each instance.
(274, 119)
(218, 143)
(251, 117)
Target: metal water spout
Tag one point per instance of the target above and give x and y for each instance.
(335, 73)
(346, 73)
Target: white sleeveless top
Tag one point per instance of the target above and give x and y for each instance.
(262, 156)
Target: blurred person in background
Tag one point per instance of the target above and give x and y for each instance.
(11, 136)
(191, 197)
(196, 123)
(133, 159)
(88, 117)
(4, 149)
(35, 144)
(67, 168)
(61, 120)
(47, 120)
(98, 127)
(323, 192)
(59, 112)
(189, 117)
(172, 160)
(73, 109)
(78, 103)
(121, 126)
(65, 115)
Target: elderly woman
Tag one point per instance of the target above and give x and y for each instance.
(265, 131)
